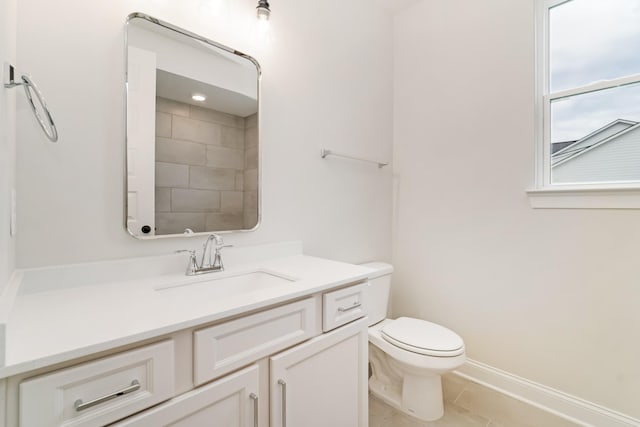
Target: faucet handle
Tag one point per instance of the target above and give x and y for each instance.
(217, 257)
(192, 267)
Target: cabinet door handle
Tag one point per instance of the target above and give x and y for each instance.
(254, 397)
(284, 402)
(81, 406)
(353, 307)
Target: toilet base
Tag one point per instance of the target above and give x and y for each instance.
(420, 397)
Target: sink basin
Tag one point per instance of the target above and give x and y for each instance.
(234, 282)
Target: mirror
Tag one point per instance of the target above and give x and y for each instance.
(192, 139)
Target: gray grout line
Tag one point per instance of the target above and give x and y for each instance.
(459, 394)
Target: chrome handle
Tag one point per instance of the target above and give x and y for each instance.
(284, 402)
(80, 406)
(353, 307)
(254, 397)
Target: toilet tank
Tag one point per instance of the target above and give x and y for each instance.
(378, 291)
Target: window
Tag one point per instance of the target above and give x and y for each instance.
(589, 83)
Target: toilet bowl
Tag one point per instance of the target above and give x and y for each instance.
(407, 356)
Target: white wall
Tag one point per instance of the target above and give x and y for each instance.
(7, 139)
(327, 82)
(550, 295)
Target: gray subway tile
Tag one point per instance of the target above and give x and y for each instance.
(183, 152)
(196, 130)
(223, 157)
(187, 200)
(251, 137)
(239, 180)
(213, 116)
(231, 201)
(251, 121)
(251, 158)
(224, 221)
(232, 137)
(171, 175)
(163, 199)
(176, 222)
(250, 179)
(206, 178)
(163, 125)
(172, 107)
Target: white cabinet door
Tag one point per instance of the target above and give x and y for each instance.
(228, 402)
(322, 382)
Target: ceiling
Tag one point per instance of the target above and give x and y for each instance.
(180, 88)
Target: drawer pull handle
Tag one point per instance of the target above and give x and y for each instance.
(80, 406)
(353, 307)
(254, 397)
(284, 402)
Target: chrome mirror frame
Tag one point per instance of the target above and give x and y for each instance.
(188, 232)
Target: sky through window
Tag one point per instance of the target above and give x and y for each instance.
(590, 41)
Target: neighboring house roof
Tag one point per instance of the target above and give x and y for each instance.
(557, 146)
(595, 138)
(612, 159)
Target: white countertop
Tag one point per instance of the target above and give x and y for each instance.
(48, 323)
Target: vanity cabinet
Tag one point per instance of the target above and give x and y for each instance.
(321, 382)
(300, 363)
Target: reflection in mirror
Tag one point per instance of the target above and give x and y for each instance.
(192, 133)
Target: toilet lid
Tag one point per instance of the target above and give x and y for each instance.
(420, 336)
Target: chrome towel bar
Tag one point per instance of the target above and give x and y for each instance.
(31, 89)
(325, 152)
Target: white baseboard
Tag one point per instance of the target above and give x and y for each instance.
(569, 407)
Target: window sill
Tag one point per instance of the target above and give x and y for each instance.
(585, 198)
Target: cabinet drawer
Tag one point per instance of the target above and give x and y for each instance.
(101, 391)
(343, 306)
(228, 346)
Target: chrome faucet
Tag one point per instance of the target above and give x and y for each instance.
(208, 264)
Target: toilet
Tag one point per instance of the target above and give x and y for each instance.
(407, 356)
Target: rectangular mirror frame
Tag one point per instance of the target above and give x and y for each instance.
(213, 44)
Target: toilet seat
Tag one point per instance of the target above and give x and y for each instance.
(422, 337)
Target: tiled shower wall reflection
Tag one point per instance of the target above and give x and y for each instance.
(206, 169)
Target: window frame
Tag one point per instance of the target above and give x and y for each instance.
(579, 196)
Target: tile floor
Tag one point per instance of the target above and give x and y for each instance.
(468, 404)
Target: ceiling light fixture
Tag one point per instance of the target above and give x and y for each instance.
(263, 10)
(198, 97)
